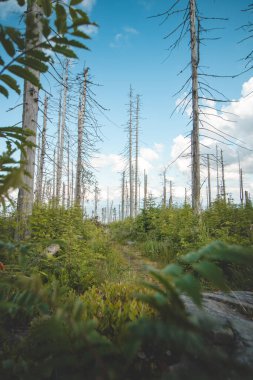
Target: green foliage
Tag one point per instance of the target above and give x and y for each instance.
(113, 306)
(45, 337)
(11, 169)
(24, 58)
(164, 234)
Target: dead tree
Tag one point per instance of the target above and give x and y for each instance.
(130, 154)
(136, 155)
(62, 127)
(209, 181)
(81, 120)
(195, 111)
(42, 153)
(123, 197)
(145, 190)
(223, 186)
(164, 189)
(30, 116)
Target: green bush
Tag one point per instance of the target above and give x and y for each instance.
(113, 306)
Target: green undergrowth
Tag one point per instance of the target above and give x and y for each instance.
(117, 330)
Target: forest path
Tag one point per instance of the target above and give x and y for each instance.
(136, 261)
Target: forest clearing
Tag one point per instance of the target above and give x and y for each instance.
(131, 265)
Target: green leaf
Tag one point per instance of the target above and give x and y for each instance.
(7, 79)
(189, 285)
(84, 16)
(33, 64)
(8, 46)
(64, 51)
(24, 73)
(79, 33)
(173, 270)
(4, 91)
(16, 36)
(75, 2)
(211, 272)
(61, 19)
(65, 41)
(46, 6)
(39, 54)
(46, 30)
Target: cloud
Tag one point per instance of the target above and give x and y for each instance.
(147, 4)
(91, 30)
(230, 128)
(124, 37)
(148, 154)
(9, 7)
(88, 5)
(113, 161)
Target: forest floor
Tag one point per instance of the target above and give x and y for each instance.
(137, 263)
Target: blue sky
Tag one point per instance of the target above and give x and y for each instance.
(129, 48)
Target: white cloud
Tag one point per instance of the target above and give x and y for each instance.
(91, 30)
(131, 30)
(88, 4)
(113, 161)
(159, 148)
(230, 126)
(9, 7)
(124, 37)
(148, 154)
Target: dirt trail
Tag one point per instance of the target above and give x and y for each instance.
(137, 262)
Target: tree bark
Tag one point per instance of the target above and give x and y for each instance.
(81, 119)
(42, 153)
(195, 111)
(29, 120)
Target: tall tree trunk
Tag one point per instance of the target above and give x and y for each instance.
(145, 190)
(136, 154)
(81, 118)
(217, 173)
(62, 133)
(130, 153)
(123, 197)
(29, 119)
(195, 111)
(42, 153)
(223, 176)
(209, 181)
(164, 189)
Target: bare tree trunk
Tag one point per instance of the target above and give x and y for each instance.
(81, 117)
(43, 153)
(29, 119)
(136, 154)
(68, 178)
(131, 193)
(223, 177)
(164, 189)
(217, 173)
(54, 175)
(145, 190)
(123, 197)
(195, 111)
(241, 187)
(38, 163)
(209, 181)
(62, 133)
(171, 195)
(96, 202)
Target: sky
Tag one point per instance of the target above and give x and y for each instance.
(129, 48)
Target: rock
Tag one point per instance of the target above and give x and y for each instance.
(234, 313)
(52, 249)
